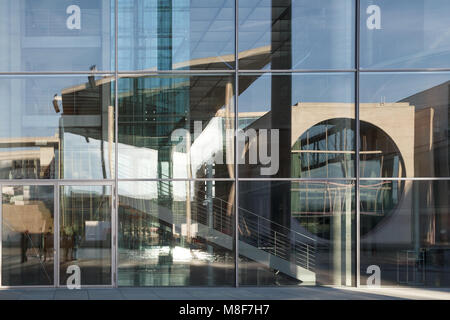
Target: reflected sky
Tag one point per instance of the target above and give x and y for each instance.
(322, 31)
(166, 34)
(41, 35)
(305, 88)
(413, 34)
(29, 100)
(393, 87)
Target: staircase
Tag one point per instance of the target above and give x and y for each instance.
(260, 239)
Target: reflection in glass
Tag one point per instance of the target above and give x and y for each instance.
(300, 34)
(27, 235)
(62, 35)
(296, 125)
(296, 233)
(405, 227)
(175, 233)
(85, 233)
(325, 150)
(56, 127)
(409, 116)
(405, 34)
(171, 35)
(176, 127)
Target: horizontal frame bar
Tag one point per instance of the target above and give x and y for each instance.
(409, 179)
(239, 179)
(218, 71)
(54, 287)
(298, 71)
(406, 70)
(178, 74)
(155, 72)
(177, 179)
(297, 179)
(54, 182)
(65, 73)
(107, 182)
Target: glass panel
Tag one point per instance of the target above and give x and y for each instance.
(305, 122)
(27, 235)
(63, 35)
(405, 228)
(405, 125)
(300, 34)
(296, 233)
(176, 233)
(182, 34)
(176, 127)
(56, 127)
(405, 34)
(85, 234)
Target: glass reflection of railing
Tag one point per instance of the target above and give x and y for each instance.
(276, 239)
(264, 234)
(260, 232)
(378, 199)
(318, 198)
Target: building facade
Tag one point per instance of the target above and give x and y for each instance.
(225, 143)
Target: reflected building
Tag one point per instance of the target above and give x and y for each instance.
(184, 161)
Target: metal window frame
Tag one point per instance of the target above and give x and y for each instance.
(57, 184)
(236, 72)
(357, 227)
(115, 230)
(113, 226)
(236, 141)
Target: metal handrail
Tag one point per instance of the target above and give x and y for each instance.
(268, 220)
(267, 239)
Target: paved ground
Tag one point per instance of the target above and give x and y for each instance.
(248, 293)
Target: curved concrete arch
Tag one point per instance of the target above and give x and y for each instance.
(395, 119)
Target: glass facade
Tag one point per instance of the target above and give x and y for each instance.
(224, 143)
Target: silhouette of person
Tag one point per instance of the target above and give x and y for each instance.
(24, 246)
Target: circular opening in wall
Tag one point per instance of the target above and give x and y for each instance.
(326, 150)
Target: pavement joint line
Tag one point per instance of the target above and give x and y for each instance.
(243, 293)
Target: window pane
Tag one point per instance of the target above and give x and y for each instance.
(176, 233)
(182, 34)
(63, 35)
(405, 125)
(85, 234)
(296, 125)
(27, 235)
(296, 233)
(176, 127)
(56, 127)
(405, 228)
(405, 34)
(300, 34)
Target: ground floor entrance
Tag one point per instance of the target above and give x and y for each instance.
(55, 234)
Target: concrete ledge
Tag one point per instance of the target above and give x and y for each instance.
(227, 293)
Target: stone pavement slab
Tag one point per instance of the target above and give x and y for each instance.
(242, 293)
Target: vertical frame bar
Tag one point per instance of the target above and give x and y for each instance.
(56, 239)
(357, 144)
(236, 126)
(1, 234)
(113, 236)
(115, 230)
